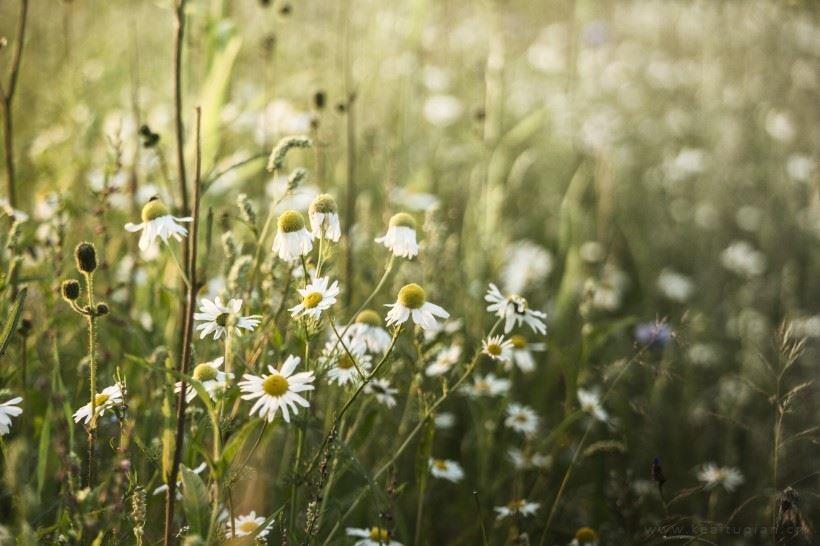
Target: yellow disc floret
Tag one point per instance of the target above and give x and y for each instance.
(100, 399)
(379, 535)
(323, 203)
(403, 219)
(519, 342)
(291, 221)
(204, 372)
(345, 362)
(275, 385)
(369, 317)
(412, 296)
(248, 526)
(586, 534)
(153, 209)
(494, 349)
(312, 300)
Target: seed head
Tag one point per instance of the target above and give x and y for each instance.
(86, 256)
(204, 372)
(102, 309)
(412, 296)
(70, 289)
(323, 203)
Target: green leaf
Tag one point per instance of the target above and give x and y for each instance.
(43, 450)
(11, 321)
(235, 442)
(195, 501)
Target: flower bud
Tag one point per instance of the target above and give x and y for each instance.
(70, 289)
(86, 256)
(102, 309)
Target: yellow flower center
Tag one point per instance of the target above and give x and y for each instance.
(275, 385)
(153, 209)
(323, 203)
(369, 316)
(494, 349)
(312, 300)
(403, 219)
(345, 362)
(204, 372)
(519, 342)
(100, 399)
(290, 221)
(380, 535)
(222, 319)
(248, 526)
(516, 505)
(440, 464)
(521, 418)
(586, 534)
(412, 296)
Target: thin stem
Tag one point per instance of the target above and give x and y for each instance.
(179, 40)
(7, 99)
(92, 373)
(179, 265)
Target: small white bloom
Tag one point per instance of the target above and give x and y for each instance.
(525, 264)
(522, 419)
(212, 378)
(522, 353)
(675, 286)
(525, 460)
(109, 398)
(590, 402)
(292, 238)
(740, 257)
(162, 488)
(218, 317)
(447, 327)
(9, 409)
(375, 536)
(158, 223)
(444, 420)
(442, 110)
(497, 348)
(368, 327)
(317, 296)
(344, 367)
(384, 393)
(489, 385)
(400, 238)
(412, 302)
(324, 218)
(517, 507)
(247, 525)
(514, 310)
(712, 475)
(446, 470)
(279, 389)
(445, 360)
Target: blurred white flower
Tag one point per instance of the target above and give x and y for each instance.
(514, 310)
(525, 264)
(522, 419)
(446, 470)
(246, 525)
(375, 536)
(382, 391)
(8, 409)
(520, 507)
(522, 353)
(212, 378)
(800, 167)
(400, 238)
(675, 286)
(445, 360)
(109, 398)
(497, 348)
(488, 385)
(590, 402)
(526, 460)
(780, 126)
(218, 317)
(346, 361)
(442, 110)
(712, 476)
(740, 257)
(444, 420)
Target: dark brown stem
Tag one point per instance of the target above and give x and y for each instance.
(180, 128)
(186, 340)
(8, 97)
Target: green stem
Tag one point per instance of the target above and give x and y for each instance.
(179, 266)
(92, 372)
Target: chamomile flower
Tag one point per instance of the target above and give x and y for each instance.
(444, 420)
(585, 536)
(158, 223)
(445, 360)
(368, 327)
(412, 302)
(384, 393)
(497, 348)
(518, 507)
(344, 370)
(292, 238)
(9, 409)
(324, 218)
(212, 378)
(514, 310)
(109, 398)
(489, 385)
(713, 475)
(247, 525)
(522, 419)
(525, 460)
(317, 296)
(375, 536)
(218, 317)
(446, 470)
(522, 353)
(590, 402)
(162, 488)
(400, 238)
(279, 389)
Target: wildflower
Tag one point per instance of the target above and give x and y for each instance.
(109, 398)
(444, 420)
(324, 218)
(400, 238)
(525, 264)
(514, 310)
(86, 257)
(489, 385)
(218, 317)
(585, 536)
(653, 335)
(317, 296)
(9, 409)
(157, 222)
(522, 353)
(345, 371)
(741, 258)
(519, 507)
(162, 488)
(590, 402)
(247, 525)
(412, 302)
(70, 290)
(375, 536)
(712, 476)
(292, 238)
(522, 419)
(445, 360)
(524, 460)
(279, 389)
(497, 348)
(446, 470)
(384, 393)
(212, 378)
(675, 286)
(446, 327)
(368, 327)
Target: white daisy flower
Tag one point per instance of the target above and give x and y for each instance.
(212, 378)
(522, 419)
(412, 302)
(522, 353)
(446, 470)
(400, 238)
(317, 296)
(344, 370)
(514, 310)
(489, 385)
(524, 460)
(445, 360)
(519, 507)
(590, 402)
(247, 525)
(279, 389)
(444, 420)
(292, 238)
(368, 327)
(109, 398)
(158, 223)
(162, 488)
(446, 327)
(218, 317)
(525, 264)
(497, 348)
(384, 393)
(9, 409)
(324, 218)
(712, 475)
(375, 536)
